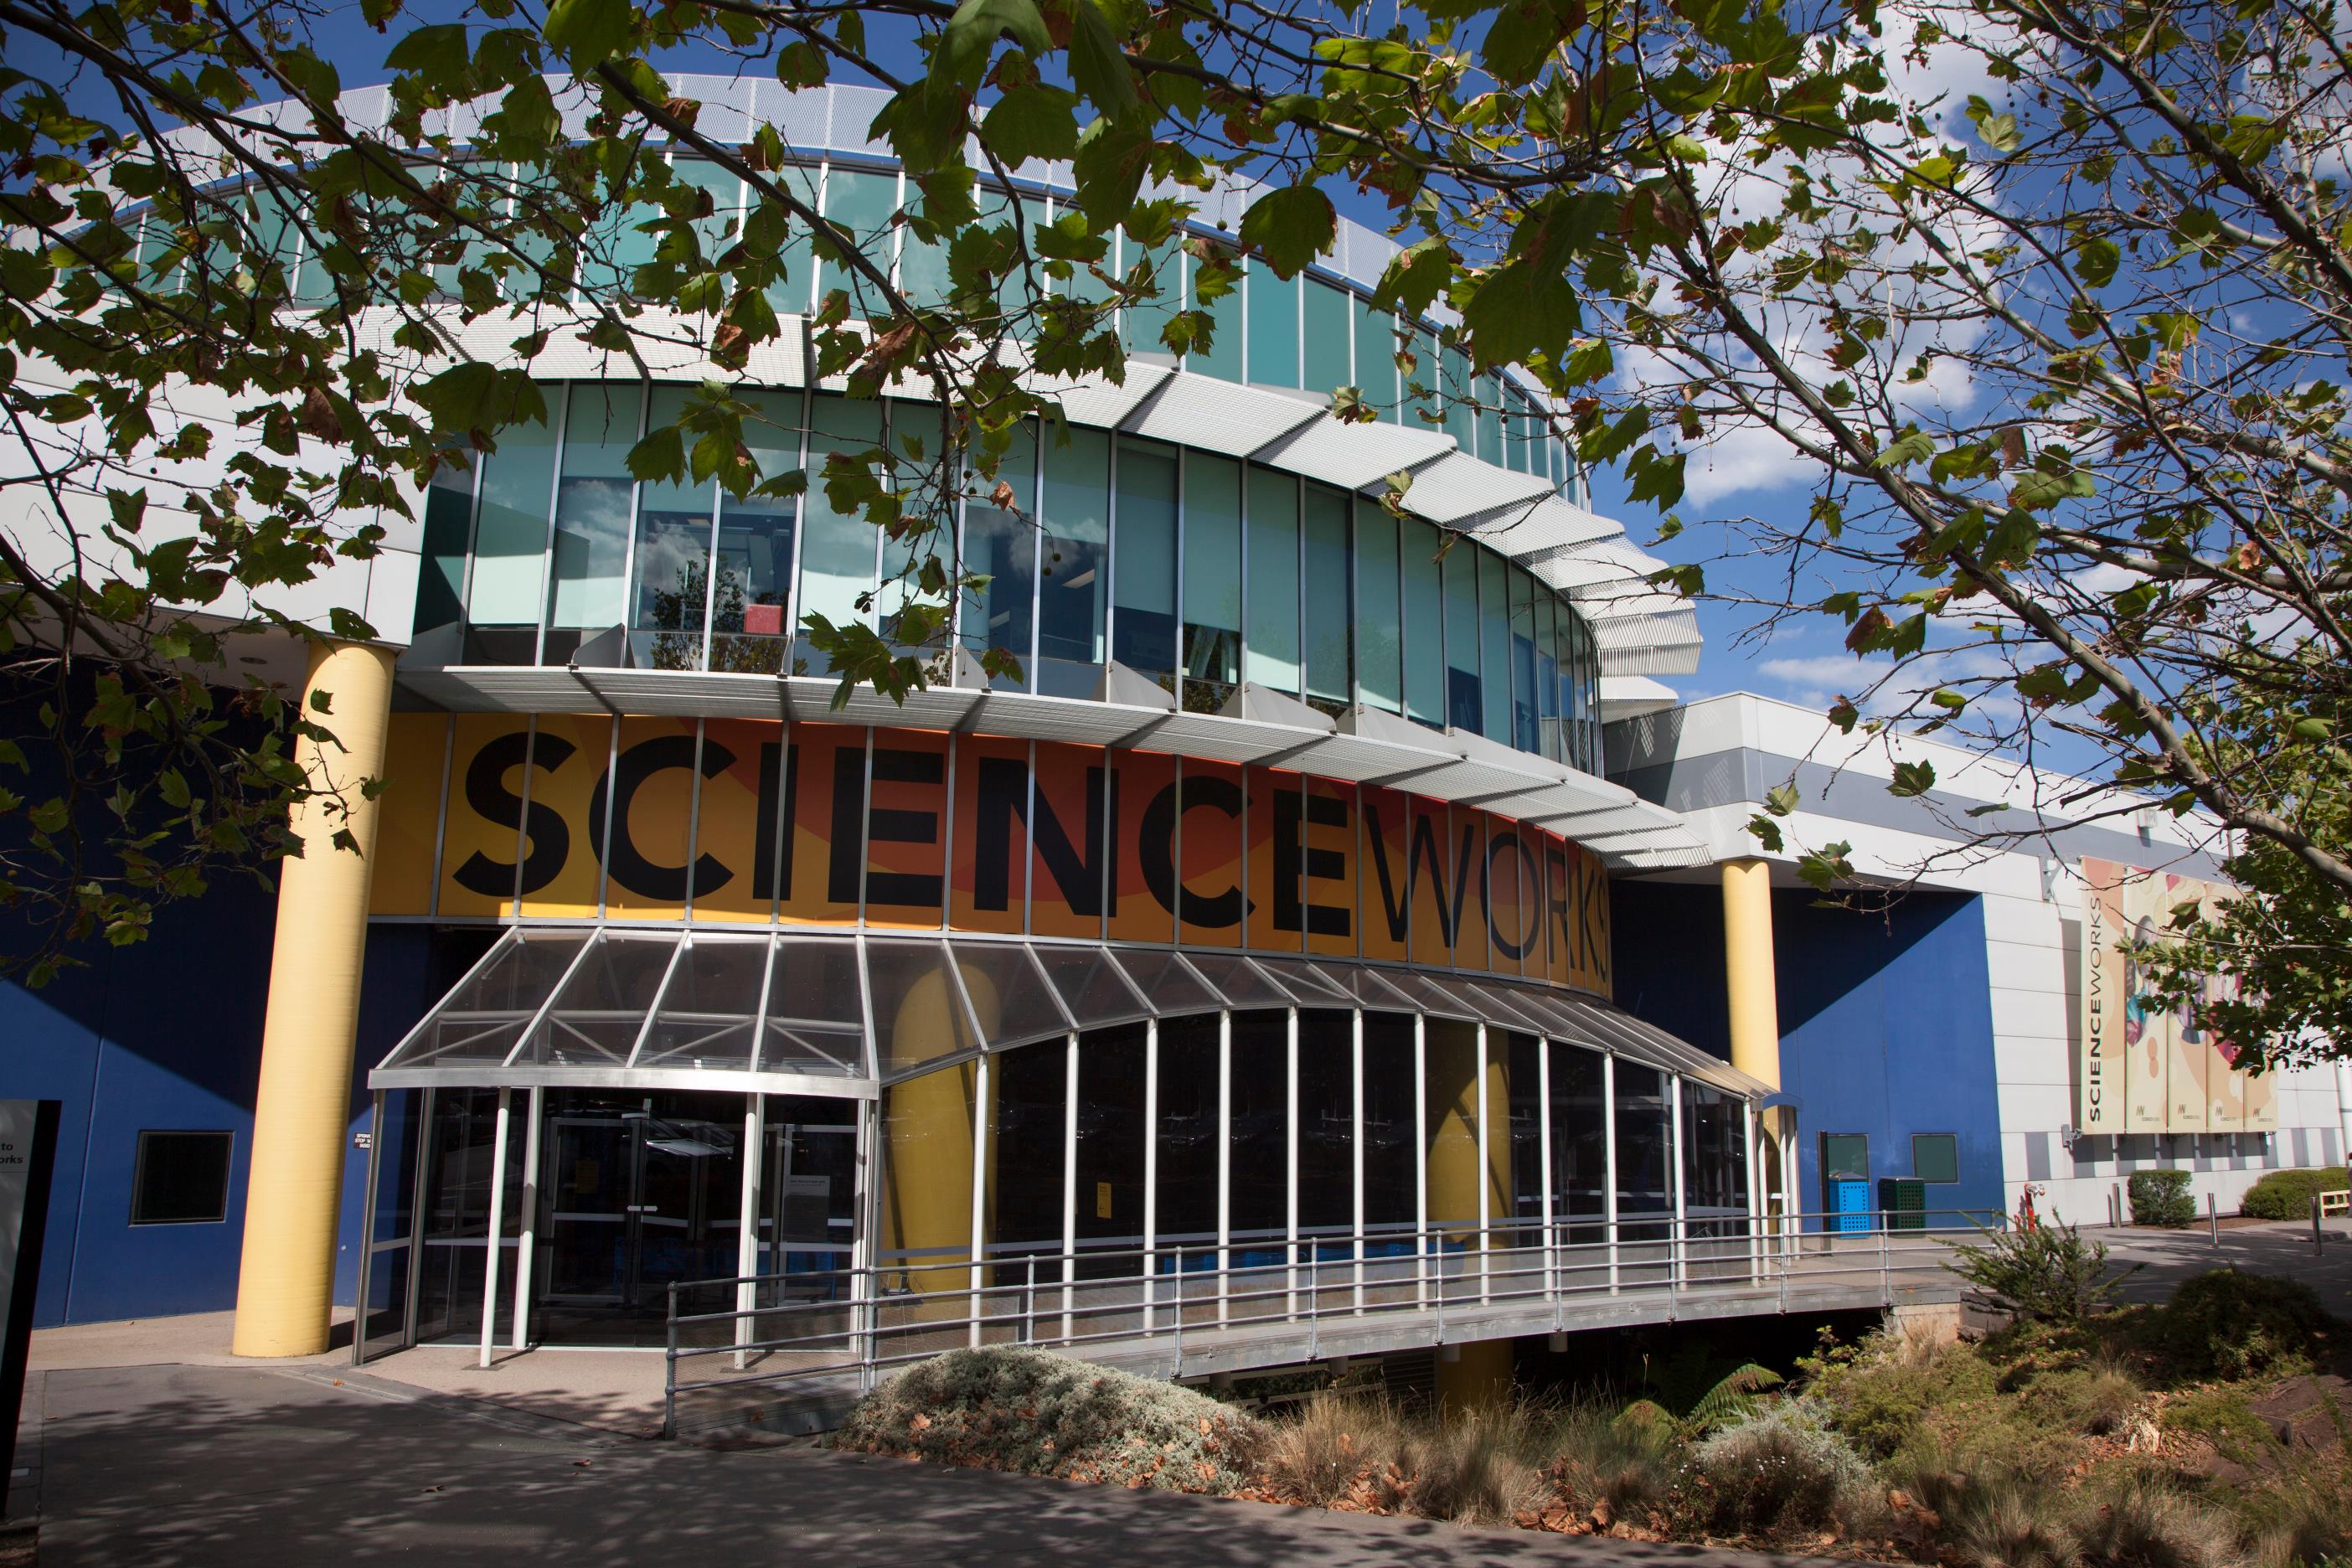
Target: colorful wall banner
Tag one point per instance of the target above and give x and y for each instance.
(739, 821)
(2141, 1068)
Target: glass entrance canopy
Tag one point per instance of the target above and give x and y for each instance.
(842, 1015)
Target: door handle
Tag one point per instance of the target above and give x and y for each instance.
(645, 1208)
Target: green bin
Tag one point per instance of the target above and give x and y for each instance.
(1905, 1199)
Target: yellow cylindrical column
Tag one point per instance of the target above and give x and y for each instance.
(294, 1194)
(928, 1123)
(1480, 1372)
(1747, 969)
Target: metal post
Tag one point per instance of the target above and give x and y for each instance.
(1225, 1157)
(2213, 1221)
(747, 1240)
(669, 1365)
(527, 1239)
(497, 1217)
(1151, 1180)
(1485, 1175)
(1608, 1159)
(1356, 1145)
(1421, 1266)
(1290, 1171)
(2314, 1222)
(1544, 1167)
(1070, 1184)
(978, 1244)
(1678, 1250)
(360, 1306)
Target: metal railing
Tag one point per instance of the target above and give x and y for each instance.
(747, 1343)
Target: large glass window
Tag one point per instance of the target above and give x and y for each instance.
(509, 580)
(1523, 1055)
(673, 560)
(1330, 321)
(448, 530)
(1527, 727)
(1271, 589)
(1451, 1114)
(1029, 1094)
(1212, 580)
(1260, 1184)
(1273, 327)
(1223, 357)
(1143, 324)
(1075, 511)
(1143, 618)
(838, 549)
(1188, 1134)
(863, 203)
(1380, 627)
(1715, 1151)
(1495, 646)
(1465, 702)
(1109, 1154)
(1580, 1143)
(1329, 607)
(593, 506)
(1392, 1122)
(1547, 678)
(1001, 544)
(1645, 1170)
(750, 613)
(1326, 1127)
(1424, 624)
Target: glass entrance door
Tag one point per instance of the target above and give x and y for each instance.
(638, 1191)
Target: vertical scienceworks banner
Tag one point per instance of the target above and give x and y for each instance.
(2142, 1067)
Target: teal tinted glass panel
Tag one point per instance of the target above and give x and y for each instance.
(713, 234)
(511, 538)
(1464, 706)
(1490, 419)
(1001, 543)
(1424, 624)
(1495, 646)
(1526, 724)
(594, 505)
(1223, 357)
(449, 523)
(837, 550)
(1326, 607)
(1212, 577)
(1376, 374)
(1143, 561)
(1273, 327)
(1456, 392)
(671, 595)
(1547, 676)
(863, 203)
(1161, 270)
(750, 595)
(1327, 337)
(1074, 508)
(1271, 589)
(1380, 622)
(1418, 386)
(1936, 1156)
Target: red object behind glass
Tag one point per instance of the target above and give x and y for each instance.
(763, 620)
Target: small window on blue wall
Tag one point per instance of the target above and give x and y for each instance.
(1936, 1156)
(182, 1178)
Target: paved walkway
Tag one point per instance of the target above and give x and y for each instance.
(2167, 1256)
(185, 1467)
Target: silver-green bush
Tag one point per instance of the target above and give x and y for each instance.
(1042, 1414)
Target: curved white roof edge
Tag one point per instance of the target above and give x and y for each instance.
(1372, 748)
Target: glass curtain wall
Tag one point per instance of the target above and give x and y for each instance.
(1196, 570)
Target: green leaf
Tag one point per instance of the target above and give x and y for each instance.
(438, 54)
(1414, 277)
(1766, 832)
(966, 42)
(1290, 227)
(1914, 446)
(1782, 799)
(1097, 66)
(1521, 310)
(1037, 122)
(589, 32)
(1112, 158)
(1912, 780)
(2095, 260)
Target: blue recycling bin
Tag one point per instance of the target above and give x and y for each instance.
(1849, 1205)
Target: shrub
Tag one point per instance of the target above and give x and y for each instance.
(2091, 1400)
(1042, 1414)
(1988, 1520)
(2229, 1324)
(1775, 1472)
(2287, 1194)
(1330, 1446)
(2161, 1198)
(1622, 1462)
(2049, 1273)
(1474, 1467)
(1878, 1403)
(2142, 1523)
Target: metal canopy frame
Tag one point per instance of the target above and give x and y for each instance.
(791, 1012)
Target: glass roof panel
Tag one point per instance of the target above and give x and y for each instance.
(485, 1013)
(600, 1012)
(1306, 982)
(918, 1010)
(708, 1008)
(1498, 1006)
(1011, 998)
(1426, 996)
(1168, 983)
(1091, 985)
(1243, 983)
(815, 1023)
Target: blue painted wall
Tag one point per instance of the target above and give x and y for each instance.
(166, 1035)
(1885, 1018)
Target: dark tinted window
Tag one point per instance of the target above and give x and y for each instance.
(182, 1178)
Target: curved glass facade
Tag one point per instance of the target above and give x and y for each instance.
(1198, 570)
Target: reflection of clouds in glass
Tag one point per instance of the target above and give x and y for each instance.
(597, 510)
